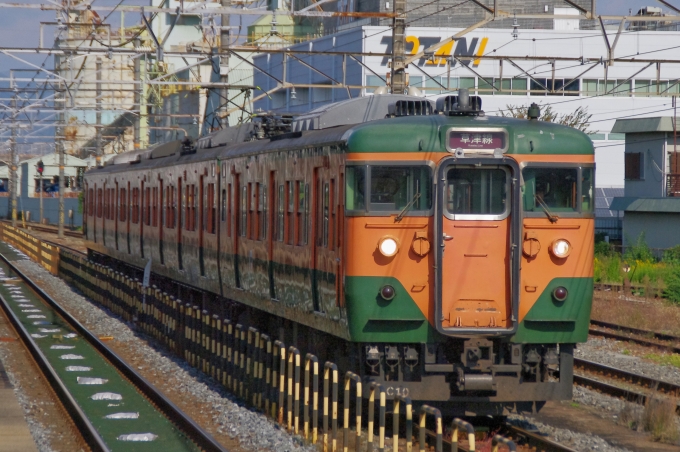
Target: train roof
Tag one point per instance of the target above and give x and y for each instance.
(390, 124)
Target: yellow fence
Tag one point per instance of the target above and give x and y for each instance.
(43, 253)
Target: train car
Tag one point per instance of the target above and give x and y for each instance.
(443, 253)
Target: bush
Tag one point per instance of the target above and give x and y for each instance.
(672, 283)
(604, 249)
(672, 255)
(640, 251)
(658, 418)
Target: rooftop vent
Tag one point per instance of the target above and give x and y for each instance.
(410, 108)
(461, 105)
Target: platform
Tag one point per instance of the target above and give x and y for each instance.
(14, 433)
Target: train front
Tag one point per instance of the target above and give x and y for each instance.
(469, 257)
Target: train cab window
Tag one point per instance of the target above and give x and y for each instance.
(325, 219)
(90, 202)
(557, 189)
(476, 191)
(388, 189)
(290, 226)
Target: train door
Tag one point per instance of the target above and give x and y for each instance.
(127, 216)
(142, 218)
(161, 219)
(201, 224)
(478, 230)
(320, 214)
(271, 214)
(180, 223)
(116, 200)
(105, 209)
(238, 227)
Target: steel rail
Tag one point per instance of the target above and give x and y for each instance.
(643, 381)
(199, 436)
(636, 340)
(85, 427)
(534, 440)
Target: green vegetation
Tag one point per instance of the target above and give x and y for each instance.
(638, 267)
(669, 360)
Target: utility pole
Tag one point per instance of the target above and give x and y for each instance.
(398, 75)
(13, 162)
(59, 143)
(137, 98)
(224, 60)
(98, 109)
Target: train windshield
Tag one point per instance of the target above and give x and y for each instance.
(560, 189)
(389, 189)
(476, 191)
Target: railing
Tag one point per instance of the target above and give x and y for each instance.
(673, 185)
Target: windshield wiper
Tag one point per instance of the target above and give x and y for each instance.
(406, 207)
(544, 206)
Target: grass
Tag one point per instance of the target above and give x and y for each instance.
(668, 360)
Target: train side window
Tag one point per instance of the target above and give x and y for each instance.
(279, 221)
(587, 186)
(325, 220)
(122, 205)
(290, 214)
(90, 202)
(229, 216)
(252, 211)
(244, 210)
(154, 212)
(223, 213)
(262, 211)
(147, 206)
(99, 203)
(135, 205)
(306, 219)
(300, 213)
(331, 215)
(211, 209)
(194, 197)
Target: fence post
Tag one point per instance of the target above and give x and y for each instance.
(311, 371)
(293, 389)
(371, 417)
(398, 400)
(280, 353)
(455, 426)
(349, 376)
(422, 428)
(330, 378)
(498, 440)
(252, 364)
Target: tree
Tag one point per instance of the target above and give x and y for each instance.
(579, 119)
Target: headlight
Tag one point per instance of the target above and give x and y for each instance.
(388, 246)
(560, 248)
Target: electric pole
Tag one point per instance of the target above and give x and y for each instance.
(137, 98)
(13, 162)
(398, 75)
(59, 143)
(224, 61)
(98, 109)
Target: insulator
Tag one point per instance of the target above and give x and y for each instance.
(143, 49)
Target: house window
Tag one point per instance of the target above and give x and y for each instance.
(634, 166)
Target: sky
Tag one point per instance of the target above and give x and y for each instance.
(21, 27)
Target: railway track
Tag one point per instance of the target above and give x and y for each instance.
(112, 406)
(48, 229)
(635, 335)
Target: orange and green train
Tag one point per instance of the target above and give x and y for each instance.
(446, 254)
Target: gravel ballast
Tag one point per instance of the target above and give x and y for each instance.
(253, 430)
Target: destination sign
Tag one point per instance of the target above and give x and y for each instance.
(476, 140)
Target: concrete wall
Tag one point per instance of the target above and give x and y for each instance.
(652, 146)
(50, 209)
(661, 229)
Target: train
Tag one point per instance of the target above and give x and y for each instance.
(441, 252)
